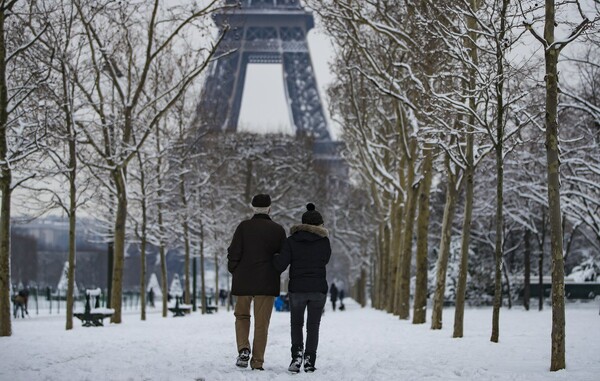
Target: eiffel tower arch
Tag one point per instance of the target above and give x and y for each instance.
(266, 31)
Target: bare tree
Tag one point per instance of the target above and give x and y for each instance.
(136, 35)
(552, 49)
(20, 78)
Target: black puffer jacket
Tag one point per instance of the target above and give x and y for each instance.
(307, 251)
(250, 256)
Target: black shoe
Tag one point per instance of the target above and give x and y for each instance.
(309, 363)
(296, 362)
(259, 368)
(243, 358)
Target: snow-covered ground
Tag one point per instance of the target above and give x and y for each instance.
(356, 344)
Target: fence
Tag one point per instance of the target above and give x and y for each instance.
(53, 302)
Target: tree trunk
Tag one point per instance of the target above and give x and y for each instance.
(72, 175)
(202, 281)
(5, 188)
(164, 282)
(186, 243)
(381, 270)
(161, 227)
(362, 299)
(398, 228)
(553, 157)
(541, 281)
(442, 261)
(143, 238)
(527, 270)
(384, 292)
(186, 238)
(395, 255)
(143, 279)
(407, 236)
(119, 177)
(461, 288)
(72, 226)
(216, 278)
(498, 255)
(143, 254)
(420, 302)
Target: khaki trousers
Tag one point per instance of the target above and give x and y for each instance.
(263, 306)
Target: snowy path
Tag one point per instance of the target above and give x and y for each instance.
(357, 344)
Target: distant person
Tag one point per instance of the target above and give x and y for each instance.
(210, 295)
(151, 297)
(307, 251)
(223, 297)
(20, 302)
(333, 295)
(250, 260)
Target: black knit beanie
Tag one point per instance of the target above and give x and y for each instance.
(261, 201)
(311, 216)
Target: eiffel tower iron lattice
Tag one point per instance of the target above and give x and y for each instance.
(264, 31)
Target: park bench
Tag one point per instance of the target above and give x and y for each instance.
(93, 317)
(180, 309)
(211, 308)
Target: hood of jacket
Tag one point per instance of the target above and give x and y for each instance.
(305, 232)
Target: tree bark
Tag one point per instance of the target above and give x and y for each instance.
(161, 226)
(410, 211)
(143, 238)
(120, 179)
(384, 291)
(5, 189)
(164, 282)
(362, 288)
(186, 243)
(553, 157)
(72, 209)
(527, 270)
(202, 280)
(461, 288)
(420, 302)
(143, 279)
(499, 148)
(442, 261)
(395, 255)
(72, 222)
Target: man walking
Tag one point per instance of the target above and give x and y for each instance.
(255, 279)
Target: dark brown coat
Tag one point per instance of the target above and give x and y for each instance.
(250, 256)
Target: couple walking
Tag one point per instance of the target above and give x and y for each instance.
(258, 254)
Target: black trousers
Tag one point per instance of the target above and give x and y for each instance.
(313, 302)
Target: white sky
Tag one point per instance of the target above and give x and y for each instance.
(264, 107)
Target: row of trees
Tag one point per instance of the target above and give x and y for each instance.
(92, 85)
(434, 97)
(449, 94)
(102, 121)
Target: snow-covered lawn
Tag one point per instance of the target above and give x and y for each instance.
(356, 344)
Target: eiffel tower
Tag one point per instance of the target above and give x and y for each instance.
(273, 32)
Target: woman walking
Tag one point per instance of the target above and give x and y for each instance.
(307, 251)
